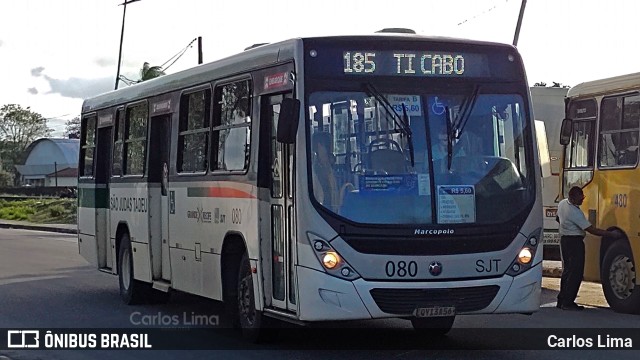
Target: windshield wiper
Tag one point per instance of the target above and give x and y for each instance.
(405, 120)
(447, 111)
(465, 112)
(455, 127)
(402, 123)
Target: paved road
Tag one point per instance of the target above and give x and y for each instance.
(45, 283)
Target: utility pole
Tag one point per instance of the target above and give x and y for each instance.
(517, 34)
(199, 49)
(124, 13)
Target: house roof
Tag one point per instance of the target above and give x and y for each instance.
(65, 157)
(68, 172)
(68, 147)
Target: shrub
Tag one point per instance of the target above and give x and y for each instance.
(56, 211)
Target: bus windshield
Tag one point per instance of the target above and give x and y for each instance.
(420, 157)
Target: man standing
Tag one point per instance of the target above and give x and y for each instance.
(572, 229)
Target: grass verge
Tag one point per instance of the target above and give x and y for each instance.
(46, 211)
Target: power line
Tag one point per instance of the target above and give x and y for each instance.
(177, 56)
(482, 13)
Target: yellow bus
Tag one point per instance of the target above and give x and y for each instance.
(600, 135)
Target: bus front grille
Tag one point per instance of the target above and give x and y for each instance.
(405, 301)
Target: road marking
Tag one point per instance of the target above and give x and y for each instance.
(54, 238)
(31, 278)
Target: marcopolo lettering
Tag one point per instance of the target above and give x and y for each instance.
(433, 231)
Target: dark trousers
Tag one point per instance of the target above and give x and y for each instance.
(572, 248)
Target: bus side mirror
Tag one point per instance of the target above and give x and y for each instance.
(288, 121)
(565, 131)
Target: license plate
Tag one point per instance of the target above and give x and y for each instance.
(551, 239)
(435, 311)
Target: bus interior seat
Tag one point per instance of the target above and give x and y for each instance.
(386, 155)
(390, 161)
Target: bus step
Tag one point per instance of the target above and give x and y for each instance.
(283, 316)
(106, 270)
(161, 285)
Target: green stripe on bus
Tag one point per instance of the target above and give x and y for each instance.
(93, 198)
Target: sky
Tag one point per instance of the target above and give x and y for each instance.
(55, 53)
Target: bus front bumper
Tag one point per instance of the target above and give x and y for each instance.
(325, 298)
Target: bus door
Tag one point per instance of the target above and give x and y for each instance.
(278, 235)
(103, 156)
(160, 138)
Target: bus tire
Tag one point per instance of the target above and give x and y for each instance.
(132, 291)
(619, 281)
(249, 317)
(437, 326)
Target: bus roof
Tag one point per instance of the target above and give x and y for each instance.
(253, 58)
(614, 84)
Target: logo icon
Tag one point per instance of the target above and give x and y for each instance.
(435, 268)
(21, 339)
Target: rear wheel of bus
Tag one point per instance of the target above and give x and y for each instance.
(250, 319)
(132, 291)
(619, 280)
(433, 326)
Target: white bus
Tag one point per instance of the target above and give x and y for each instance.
(548, 107)
(328, 178)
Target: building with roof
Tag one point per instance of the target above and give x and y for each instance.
(50, 162)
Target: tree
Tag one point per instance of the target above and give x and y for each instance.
(72, 128)
(19, 127)
(149, 72)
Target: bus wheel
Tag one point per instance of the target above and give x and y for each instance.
(619, 281)
(131, 291)
(433, 326)
(249, 318)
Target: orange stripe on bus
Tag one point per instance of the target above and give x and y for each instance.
(229, 193)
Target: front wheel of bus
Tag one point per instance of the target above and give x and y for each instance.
(249, 318)
(619, 280)
(437, 326)
(131, 291)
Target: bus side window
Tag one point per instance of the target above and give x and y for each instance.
(135, 143)
(231, 133)
(193, 136)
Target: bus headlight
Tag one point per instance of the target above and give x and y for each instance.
(525, 256)
(331, 261)
(524, 259)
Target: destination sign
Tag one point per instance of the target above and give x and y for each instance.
(414, 63)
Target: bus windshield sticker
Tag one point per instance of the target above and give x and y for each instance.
(424, 188)
(411, 104)
(456, 204)
(405, 183)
